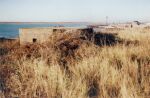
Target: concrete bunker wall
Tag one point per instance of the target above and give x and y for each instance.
(34, 35)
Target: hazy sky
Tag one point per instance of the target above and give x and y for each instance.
(74, 10)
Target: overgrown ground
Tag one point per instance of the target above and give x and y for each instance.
(114, 66)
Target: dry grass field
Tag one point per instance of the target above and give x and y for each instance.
(113, 66)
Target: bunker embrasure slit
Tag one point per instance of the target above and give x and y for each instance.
(34, 40)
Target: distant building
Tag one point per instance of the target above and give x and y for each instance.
(135, 24)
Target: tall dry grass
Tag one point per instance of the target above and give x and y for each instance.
(118, 71)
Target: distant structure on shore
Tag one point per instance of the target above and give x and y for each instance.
(119, 26)
(41, 35)
(126, 25)
(122, 25)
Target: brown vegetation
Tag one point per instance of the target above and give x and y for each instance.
(110, 66)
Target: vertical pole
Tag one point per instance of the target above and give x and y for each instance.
(106, 20)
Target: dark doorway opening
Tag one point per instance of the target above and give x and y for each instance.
(34, 40)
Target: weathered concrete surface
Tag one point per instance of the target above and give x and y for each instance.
(28, 35)
(41, 35)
